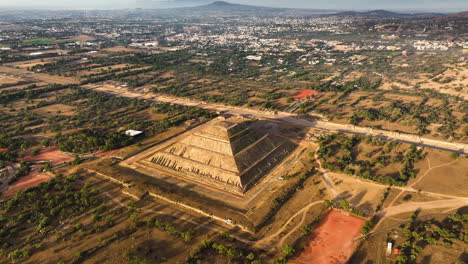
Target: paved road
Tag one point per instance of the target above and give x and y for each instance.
(308, 120)
(288, 117)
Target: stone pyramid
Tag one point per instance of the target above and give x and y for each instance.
(226, 155)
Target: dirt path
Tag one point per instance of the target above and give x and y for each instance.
(268, 239)
(324, 175)
(413, 206)
(301, 223)
(430, 169)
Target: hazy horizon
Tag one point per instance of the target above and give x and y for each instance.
(412, 5)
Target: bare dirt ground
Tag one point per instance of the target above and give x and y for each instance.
(442, 174)
(458, 77)
(35, 176)
(6, 79)
(55, 109)
(120, 49)
(32, 179)
(115, 242)
(413, 206)
(38, 76)
(83, 37)
(333, 241)
(51, 154)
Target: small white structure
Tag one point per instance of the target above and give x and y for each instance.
(389, 248)
(36, 53)
(133, 133)
(252, 57)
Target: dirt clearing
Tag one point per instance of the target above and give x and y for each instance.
(332, 241)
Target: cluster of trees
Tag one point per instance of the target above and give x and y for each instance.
(29, 94)
(233, 255)
(417, 115)
(108, 70)
(119, 77)
(55, 67)
(419, 234)
(187, 236)
(343, 205)
(288, 251)
(13, 145)
(339, 152)
(99, 113)
(16, 124)
(414, 154)
(110, 112)
(50, 202)
(91, 140)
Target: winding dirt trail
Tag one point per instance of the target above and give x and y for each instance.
(304, 210)
(391, 210)
(430, 169)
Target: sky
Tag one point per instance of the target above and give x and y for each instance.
(422, 5)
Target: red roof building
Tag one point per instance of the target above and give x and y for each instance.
(307, 95)
(3, 149)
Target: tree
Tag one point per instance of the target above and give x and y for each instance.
(250, 256)
(45, 142)
(366, 227)
(306, 229)
(327, 204)
(344, 204)
(35, 151)
(288, 250)
(281, 261)
(47, 167)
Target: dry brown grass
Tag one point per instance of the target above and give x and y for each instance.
(55, 109)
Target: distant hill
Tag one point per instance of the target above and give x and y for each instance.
(156, 4)
(386, 14)
(223, 8)
(207, 8)
(461, 15)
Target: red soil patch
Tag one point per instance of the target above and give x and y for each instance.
(307, 95)
(333, 241)
(51, 154)
(32, 179)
